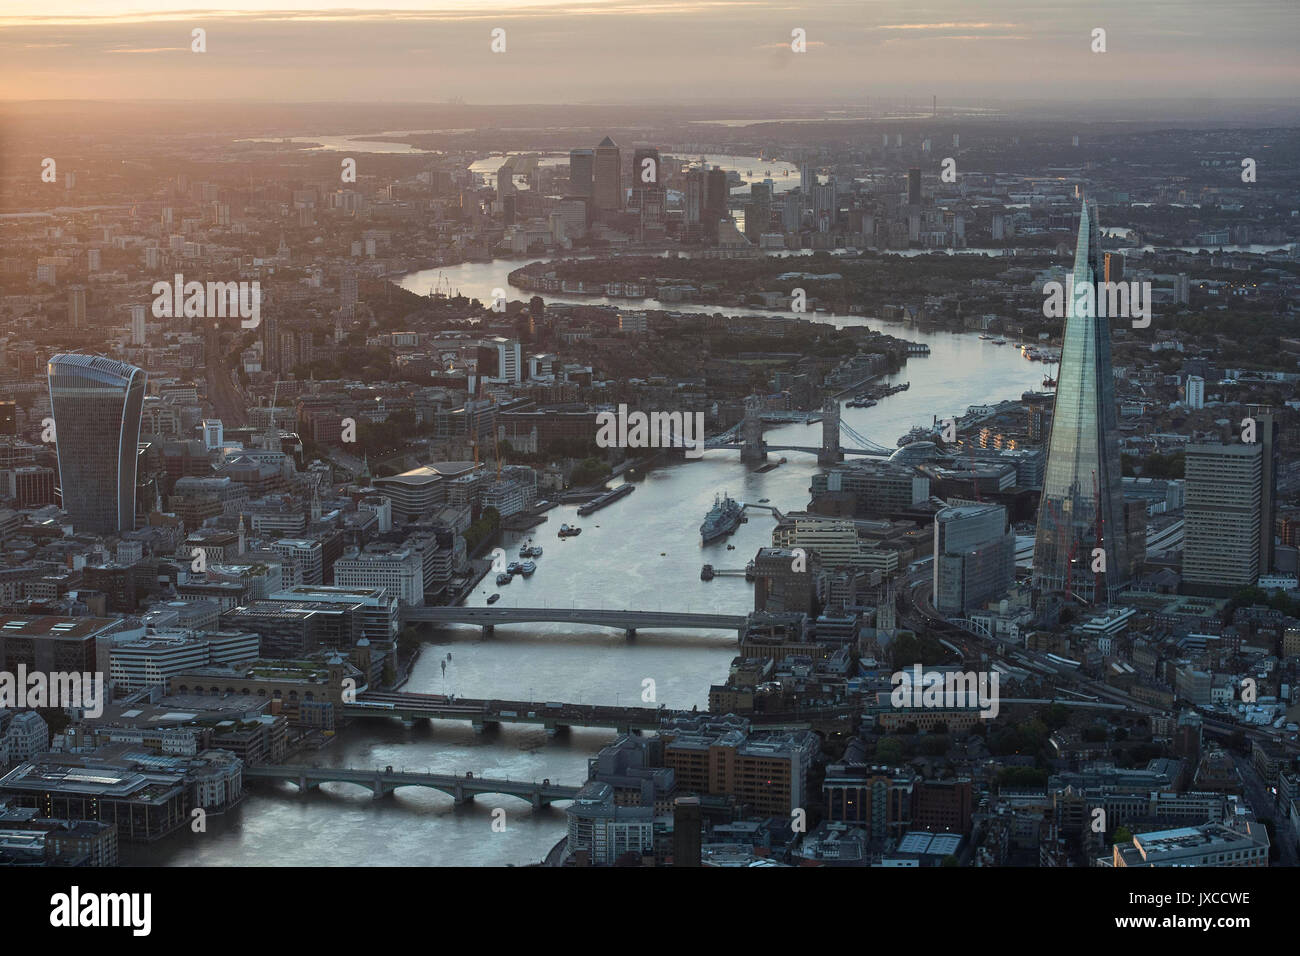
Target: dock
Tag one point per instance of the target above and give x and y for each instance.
(709, 572)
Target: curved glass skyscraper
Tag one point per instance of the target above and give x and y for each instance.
(1082, 506)
(97, 403)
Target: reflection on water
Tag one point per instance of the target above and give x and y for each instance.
(641, 552)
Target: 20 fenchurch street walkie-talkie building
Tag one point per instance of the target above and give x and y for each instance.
(1082, 505)
(97, 403)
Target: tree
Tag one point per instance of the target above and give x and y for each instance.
(1122, 835)
(889, 750)
(934, 745)
(588, 472)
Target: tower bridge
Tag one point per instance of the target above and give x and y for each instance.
(754, 448)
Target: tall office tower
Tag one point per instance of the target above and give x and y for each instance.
(1183, 288)
(97, 403)
(509, 361)
(693, 204)
(974, 556)
(77, 306)
(1195, 397)
(506, 179)
(1082, 505)
(139, 327)
(607, 176)
(807, 178)
(914, 186)
(758, 211)
(270, 344)
(825, 201)
(582, 169)
(648, 196)
(348, 294)
(1223, 516)
(792, 212)
(1271, 463)
(716, 194)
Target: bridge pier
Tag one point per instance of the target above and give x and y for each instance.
(377, 789)
(631, 633)
(489, 630)
(752, 446)
(830, 453)
(302, 785)
(538, 803)
(478, 726)
(460, 797)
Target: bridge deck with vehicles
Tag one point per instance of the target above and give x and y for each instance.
(383, 782)
(629, 621)
(559, 715)
(553, 715)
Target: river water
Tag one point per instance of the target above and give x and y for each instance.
(641, 552)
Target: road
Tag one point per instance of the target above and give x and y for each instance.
(1265, 805)
(227, 401)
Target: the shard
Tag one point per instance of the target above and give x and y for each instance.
(1080, 548)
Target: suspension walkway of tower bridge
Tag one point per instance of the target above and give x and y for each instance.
(747, 435)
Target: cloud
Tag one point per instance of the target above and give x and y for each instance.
(947, 26)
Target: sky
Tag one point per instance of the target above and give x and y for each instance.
(648, 51)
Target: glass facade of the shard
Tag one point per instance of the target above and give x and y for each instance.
(1082, 506)
(97, 404)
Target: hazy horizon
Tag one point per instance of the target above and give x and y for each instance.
(580, 52)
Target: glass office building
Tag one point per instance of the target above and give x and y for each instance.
(97, 403)
(1082, 505)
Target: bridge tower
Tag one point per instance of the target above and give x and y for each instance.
(752, 447)
(830, 451)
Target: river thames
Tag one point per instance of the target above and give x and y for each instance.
(641, 552)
